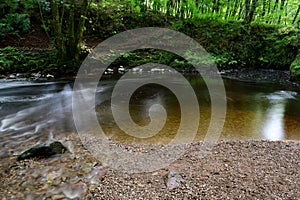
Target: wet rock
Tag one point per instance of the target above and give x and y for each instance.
(50, 76)
(12, 76)
(20, 75)
(36, 75)
(43, 151)
(174, 180)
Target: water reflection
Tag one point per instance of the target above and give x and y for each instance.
(274, 125)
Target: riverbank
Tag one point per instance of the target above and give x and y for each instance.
(233, 169)
(279, 77)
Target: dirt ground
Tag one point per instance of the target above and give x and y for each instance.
(231, 170)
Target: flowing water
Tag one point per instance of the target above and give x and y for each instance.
(33, 112)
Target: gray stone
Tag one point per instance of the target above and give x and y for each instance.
(174, 180)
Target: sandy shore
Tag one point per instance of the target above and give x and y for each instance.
(232, 170)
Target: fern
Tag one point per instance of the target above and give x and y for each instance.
(14, 23)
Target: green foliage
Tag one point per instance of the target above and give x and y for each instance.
(231, 43)
(262, 11)
(14, 23)
(261, 39)
(14, 60)
(43, 5)
(15, 16)
(295, 68)
(143, 56)
(234, 44)
(8, 6)
(112, 17)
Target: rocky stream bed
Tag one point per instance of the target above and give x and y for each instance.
(231, 170)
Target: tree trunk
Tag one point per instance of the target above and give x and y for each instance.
(80, 29)
(240, 11)
(264, 8)
(71, 43)
(57, 23)
(281, 10)
(227, 9)
(275, 9)
(69, 29)
(250, 16)
(296, 15)
(246, 9)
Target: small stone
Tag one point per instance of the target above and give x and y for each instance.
(93, 187)
(174, 180)
(12, 76)
(216, 173)
(51, 176)
(58, 196)
(154, 173)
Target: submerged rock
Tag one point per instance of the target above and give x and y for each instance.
(43, 151)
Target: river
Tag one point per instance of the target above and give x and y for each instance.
(32, 112)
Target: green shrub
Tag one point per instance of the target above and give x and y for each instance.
(14, 60)
(295, 68)
(14, 18)
(14, 23)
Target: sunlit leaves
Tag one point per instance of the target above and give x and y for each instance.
(263, 11)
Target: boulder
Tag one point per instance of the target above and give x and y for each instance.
(43, 151)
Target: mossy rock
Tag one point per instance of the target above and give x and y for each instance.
(295, 68)
(43, 151)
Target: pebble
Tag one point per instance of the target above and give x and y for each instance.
(58, 196)
(174, 180)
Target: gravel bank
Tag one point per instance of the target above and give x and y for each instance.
(232, 170)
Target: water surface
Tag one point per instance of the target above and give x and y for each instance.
(31, 112)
